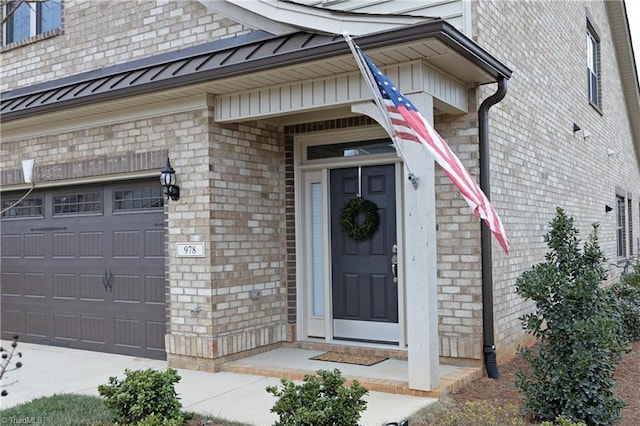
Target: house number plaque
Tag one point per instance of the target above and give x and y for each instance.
(190, 250)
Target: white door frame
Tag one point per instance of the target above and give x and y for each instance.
(315, 173)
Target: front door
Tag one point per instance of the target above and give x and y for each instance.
(364, 291)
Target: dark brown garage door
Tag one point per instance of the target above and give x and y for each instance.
(83, 267)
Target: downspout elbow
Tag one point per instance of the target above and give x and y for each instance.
(489, 349)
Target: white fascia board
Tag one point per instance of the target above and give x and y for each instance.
(247, 17)
(299, 17)
(619, 24)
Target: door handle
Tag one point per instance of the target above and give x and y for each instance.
(394, 268)
(106, 281)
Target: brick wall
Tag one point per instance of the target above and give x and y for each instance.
(232, 199)
(131, 146)
(537, 161)
(458, 249)
(96, 34)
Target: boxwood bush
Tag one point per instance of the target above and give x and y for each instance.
(321, 400)
(144, 396)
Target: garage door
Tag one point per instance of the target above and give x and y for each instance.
(83, 267)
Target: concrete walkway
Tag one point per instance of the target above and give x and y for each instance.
(50, 370)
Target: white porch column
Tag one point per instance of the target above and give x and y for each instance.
(420, 260)
(418, 251)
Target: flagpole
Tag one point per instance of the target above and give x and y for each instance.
(368, 78)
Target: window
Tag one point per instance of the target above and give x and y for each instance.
(317, 260)
(350, 149)
(28, 19)
(593, 65)
(621, 242)
(138, 199)
(81, 203)
(630, 226)
(29, 207)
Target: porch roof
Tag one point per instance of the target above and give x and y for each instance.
(238, 61)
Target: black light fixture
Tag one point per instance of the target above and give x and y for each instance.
(607, 208)
(168, 180)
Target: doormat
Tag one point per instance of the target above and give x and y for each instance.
(349, 358)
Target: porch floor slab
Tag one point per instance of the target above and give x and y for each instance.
(389, 376)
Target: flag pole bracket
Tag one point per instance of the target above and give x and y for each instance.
(414, 180)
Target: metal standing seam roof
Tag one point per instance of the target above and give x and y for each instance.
(252, 52)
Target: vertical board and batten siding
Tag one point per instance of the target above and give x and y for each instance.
(338, 90)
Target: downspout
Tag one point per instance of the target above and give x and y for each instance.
(490, 361)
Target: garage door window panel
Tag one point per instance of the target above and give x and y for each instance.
(78, 203)
(29, 207)
(138, 199)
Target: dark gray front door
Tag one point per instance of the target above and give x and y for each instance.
(365, 296)
(83, 267)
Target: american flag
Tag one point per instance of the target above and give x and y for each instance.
(409, 125)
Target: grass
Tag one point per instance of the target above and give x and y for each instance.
(79, 410)
(65, 409)
(82, 410)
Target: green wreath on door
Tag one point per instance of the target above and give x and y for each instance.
(351, 210)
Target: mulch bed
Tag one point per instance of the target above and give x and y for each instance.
(503, 391)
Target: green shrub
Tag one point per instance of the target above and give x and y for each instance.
(628, 298)
(144, 395)
(157, 420)
(633, 278)
(563, 421)
(579, 332)
(321, 400)
(627, 291)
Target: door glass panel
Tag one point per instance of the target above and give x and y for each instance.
(350, 149)
(317, 261)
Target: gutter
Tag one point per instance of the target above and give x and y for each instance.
(489, 348)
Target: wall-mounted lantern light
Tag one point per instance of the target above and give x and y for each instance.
(168, 180)
(607, 208)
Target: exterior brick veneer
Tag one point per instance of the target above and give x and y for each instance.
(237, 180)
